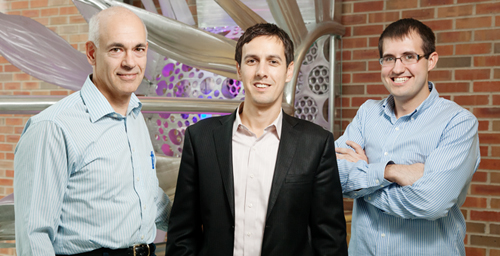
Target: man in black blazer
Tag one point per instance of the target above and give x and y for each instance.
(258, 181)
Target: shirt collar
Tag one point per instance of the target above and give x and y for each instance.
(98, 106)
(277, 123)
(388, 103)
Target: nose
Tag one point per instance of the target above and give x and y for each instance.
(128, 61)
(261, 70)
(399, 67)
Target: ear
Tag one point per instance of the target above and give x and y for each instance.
(289, 72)
(238, 70)
(432, 61)
(90, 51)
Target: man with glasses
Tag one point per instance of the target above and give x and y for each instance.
(408, 160)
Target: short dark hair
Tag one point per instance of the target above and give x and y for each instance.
(265, 29)
(402, 28)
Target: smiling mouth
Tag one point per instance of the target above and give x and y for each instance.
(127, 76)
(400, 79)
(259, 85)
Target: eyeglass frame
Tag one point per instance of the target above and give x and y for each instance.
(419, 57)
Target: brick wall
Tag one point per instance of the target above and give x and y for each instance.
(468, 72)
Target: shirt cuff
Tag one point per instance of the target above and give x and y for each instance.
(376, 176)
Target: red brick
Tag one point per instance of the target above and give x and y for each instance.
(475, 202)
(354, 42)
(472, 99)
(495, 177)
(19, 5)
(471, 1)
(385, 16)
(353, 66)
(11, 68)
(419, 14)
(373, 42)
(444, 50)
(453, 37)
(6, 129)
(49, 12)
(483, 151)
(487, 35)
(475, 22)
(346, 55)
(353, 89)
(58, 20)
(18, 129)
(6, 182)
(496, 75)
(76, 19)
(455, 11)
(483, 125)
(43, 21)
(488, 190)
(489, 241)
(349, 113)
(366, 77)
(485, 216)
(489, 164)
(6, 147)
(39, 3)
(12, 86)
(13, 13)
(493, 86)
(495, 203)
(365, 54)
(68, 10)
(354, 19)
(472, 251)
(367, 30)
(440, 75)
(495, 151)
(437, 25)
(21, 93)
(487, 61)
(374, 65)
(401, 4)
(21, 77)
(9, 173)
(497, 21)
(488, 8)
(467, 49)
(472, 74)
(496, 99)
(452, 87)
(358, 101)
(14, 121)
(494, 252)
(30, 13)
(376, 89)
(369, 6)
(31, 86)
(9, 156)
(346, 78)
(480, 176)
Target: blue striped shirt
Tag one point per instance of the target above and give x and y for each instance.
(85, 178)
(425, 218)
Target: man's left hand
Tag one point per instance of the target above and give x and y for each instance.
(351, 155)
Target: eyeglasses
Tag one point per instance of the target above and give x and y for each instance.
(407, 59)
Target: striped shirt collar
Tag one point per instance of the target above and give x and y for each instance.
(98, 106)
(388, 103)
(277, 123)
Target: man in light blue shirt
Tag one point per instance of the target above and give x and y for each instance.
(421, 152)
(85, 179)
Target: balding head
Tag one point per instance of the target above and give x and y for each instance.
(112, 14)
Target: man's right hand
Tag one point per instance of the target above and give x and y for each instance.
(404, 175)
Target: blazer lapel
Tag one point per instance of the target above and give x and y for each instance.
(286, 151)
(223, 146)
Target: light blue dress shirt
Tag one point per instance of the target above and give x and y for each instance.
(423, 219)
(85, 178)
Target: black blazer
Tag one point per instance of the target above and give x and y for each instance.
(305, 211)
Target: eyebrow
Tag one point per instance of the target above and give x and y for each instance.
(408, 52)
(113, 45)
(267, 57)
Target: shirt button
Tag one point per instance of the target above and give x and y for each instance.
(385, 153)
(397, 128)
(412, 118)
(144, 207)
(355, 194)
(142, 237)
(250, 205)
(249, 234)
(376, 181)
(369, 198)
(138, 179)
(383, 235)
(251, 176)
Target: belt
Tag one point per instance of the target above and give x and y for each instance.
(136, 250)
